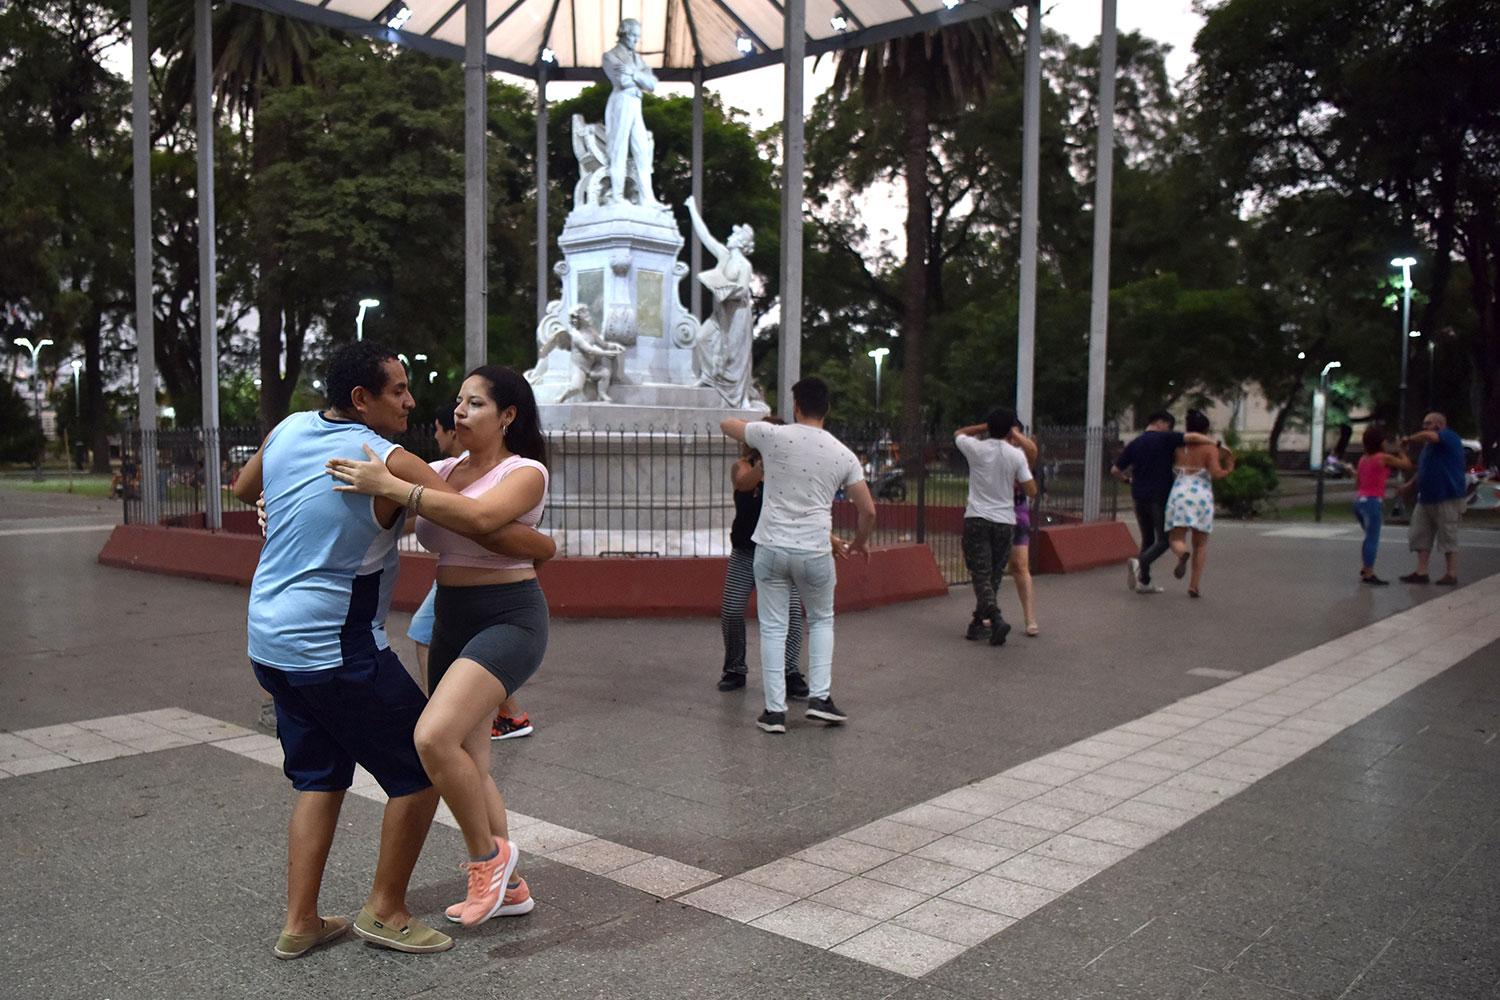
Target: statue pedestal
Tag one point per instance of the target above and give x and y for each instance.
(640, 493)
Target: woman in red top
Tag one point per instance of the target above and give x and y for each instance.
(1373, 473)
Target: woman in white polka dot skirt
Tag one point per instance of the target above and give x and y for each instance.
(1190, 505)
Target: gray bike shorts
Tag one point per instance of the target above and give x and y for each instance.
(502, 627)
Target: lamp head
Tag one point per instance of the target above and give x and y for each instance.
(1414, 334)
(879, 352)
(368, 303)
(1404, 262)
(1330, 367)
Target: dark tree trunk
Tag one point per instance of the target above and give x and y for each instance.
(1482, 254)
(917, 138)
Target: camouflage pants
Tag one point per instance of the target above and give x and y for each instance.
(986, 553)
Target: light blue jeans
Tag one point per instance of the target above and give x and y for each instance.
(777, 570)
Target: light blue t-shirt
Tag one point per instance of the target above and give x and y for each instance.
(323, 586)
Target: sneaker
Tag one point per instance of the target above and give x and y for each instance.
(1132, 573)
(416, 938)
(296, 945)
(517, 903)
(1446, 581)
(796, 685)
(999, 632)
(825, 709)
(977, 630)
(731, 681)
(505, 728)
(1149, 588)
(487, 882)
(266, 721)
(1375, 581)
(773, 722)
(1415, 578)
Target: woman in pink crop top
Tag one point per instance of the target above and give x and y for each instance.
(1369, 505)
(490, 630)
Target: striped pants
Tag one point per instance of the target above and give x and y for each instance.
(738, 582)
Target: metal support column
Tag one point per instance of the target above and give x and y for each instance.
(1093, 460)
(145, 331)
(208, 271)
(1030, 164)
(542, 190)
(789, 354)
(476, 270)
(696, 256)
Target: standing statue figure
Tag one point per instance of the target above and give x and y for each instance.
(721, 356)
(592, 356)
(624, 129)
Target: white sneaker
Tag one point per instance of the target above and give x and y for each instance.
(1148, 588)
(1132, 573)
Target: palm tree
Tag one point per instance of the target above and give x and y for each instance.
(253, 52)
(927, 77)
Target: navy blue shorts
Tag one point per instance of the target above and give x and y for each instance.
(363, 712)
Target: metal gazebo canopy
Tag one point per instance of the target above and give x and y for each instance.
(678, 37)
(685, 40)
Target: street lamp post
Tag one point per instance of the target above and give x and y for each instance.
(1320, 407)
(77, 403)
(36, 406)
(878, 354)
(359, 320)
(1406, 264)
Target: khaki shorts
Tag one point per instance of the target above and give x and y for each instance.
(1434, 526)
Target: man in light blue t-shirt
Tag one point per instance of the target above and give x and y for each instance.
(317, 642)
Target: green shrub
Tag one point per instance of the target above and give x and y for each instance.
(1241, 493)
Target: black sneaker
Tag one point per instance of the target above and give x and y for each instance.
(796, 685)
(825, 709)
(999, 632)
(731, 681)
(772, 722)
(977, 630)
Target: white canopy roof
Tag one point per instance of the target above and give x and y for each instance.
(677, 36)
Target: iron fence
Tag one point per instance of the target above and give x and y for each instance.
(658, 493)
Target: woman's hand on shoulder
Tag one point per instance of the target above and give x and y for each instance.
(369, 477)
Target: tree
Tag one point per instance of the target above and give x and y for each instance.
(1381, 100)
(923, 78)
(64, 185)
(254, 52)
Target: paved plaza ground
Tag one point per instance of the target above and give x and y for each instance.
(1289, 788)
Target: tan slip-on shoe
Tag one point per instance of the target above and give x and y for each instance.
(290, 946)
(416, 938)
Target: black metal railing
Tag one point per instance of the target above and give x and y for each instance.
(663, 493)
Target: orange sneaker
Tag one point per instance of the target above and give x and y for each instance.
(517, 903)
(487, 881)
(505, 728)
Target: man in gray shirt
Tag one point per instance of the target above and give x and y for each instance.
(805, 466)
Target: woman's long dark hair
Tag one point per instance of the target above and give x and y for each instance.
(509, 388)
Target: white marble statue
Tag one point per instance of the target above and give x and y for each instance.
(626, 140)
(722, 355)
(592, 356)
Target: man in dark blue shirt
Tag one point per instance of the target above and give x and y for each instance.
(1440, 499)
(1146, 464)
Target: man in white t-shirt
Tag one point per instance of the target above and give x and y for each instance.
(997, 469)
(805, 466)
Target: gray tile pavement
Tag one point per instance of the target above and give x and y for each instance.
(636, 748)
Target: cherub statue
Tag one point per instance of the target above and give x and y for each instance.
(592, 356)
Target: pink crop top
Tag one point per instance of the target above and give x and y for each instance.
(1372, 475)
(454, 549)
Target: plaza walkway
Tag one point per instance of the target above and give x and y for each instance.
(1287, 788)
